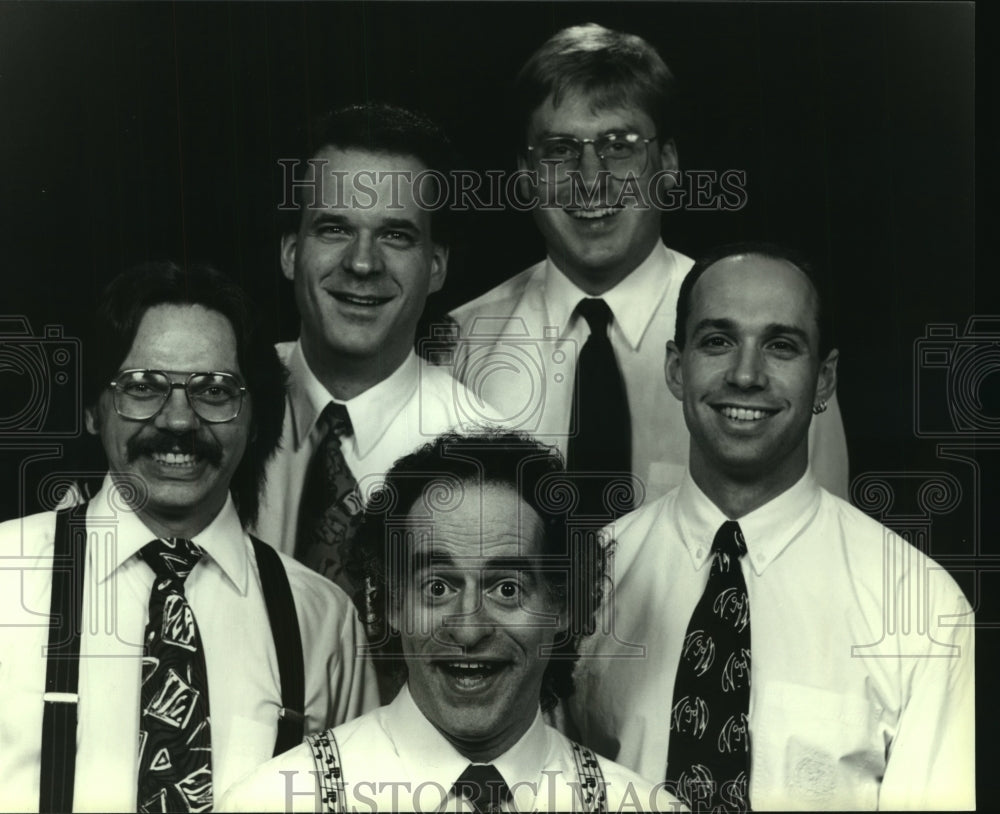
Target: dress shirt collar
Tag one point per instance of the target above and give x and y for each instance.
(768, 530)
(222, 539)
(633, 301)
(427, 754)
(371, 412)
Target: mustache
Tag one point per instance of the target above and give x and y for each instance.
(163, 442)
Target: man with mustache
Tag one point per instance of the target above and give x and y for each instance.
(479, 591)
(152, 651)
(568, 349)
(364, 250)
(794, 654)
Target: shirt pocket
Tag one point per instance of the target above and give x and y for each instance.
(815, 748)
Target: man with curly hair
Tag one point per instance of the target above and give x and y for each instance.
(478, 592)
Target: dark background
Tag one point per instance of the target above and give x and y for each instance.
(138, 131)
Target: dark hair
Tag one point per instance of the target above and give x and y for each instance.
(760, 249)
(436, 474)
(120, 310)
(384, 129)
(611, 67)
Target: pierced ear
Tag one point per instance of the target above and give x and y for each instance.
(826, 384)
(672, 370)
(289, 244)
(439, 268)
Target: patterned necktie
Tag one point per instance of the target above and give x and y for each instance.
(175, 738)
(708, 765)
(331, 506)
(483, 787)
(600, 442)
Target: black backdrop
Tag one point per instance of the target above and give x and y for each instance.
(133, 131)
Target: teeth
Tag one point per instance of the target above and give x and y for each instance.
(360, 300)
(592, 214)
(173, 458)
(744, 414)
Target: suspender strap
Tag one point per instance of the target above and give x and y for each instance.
(329, 774)
(593, 794)
(287, 645)
(62, 672)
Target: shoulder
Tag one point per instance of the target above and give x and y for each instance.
(316, 597)
(267, 787)
(629, 532)
(446, 403)
(870, 548)
(29, 537)
(625, 790)
(497, 302)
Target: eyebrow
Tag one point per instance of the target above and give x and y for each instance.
(324, 218)
(772, 329)
(420, 561)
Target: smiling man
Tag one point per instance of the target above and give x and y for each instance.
(570, 348)
(798, 655)
(203, 652)
(478, 593)
(363, 251)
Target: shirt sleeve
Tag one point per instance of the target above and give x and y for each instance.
(931, 761)
(828, 451)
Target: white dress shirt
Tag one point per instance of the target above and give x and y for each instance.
(518, 348)
(862, 679)
(407, 409)
(225, 594)
(394, 759)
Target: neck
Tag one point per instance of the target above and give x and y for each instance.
(598, 280)
(737, 494)
(347, 377)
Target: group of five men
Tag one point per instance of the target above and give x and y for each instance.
(155, 653)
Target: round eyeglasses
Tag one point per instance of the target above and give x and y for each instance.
(623, 155)
(215, 397)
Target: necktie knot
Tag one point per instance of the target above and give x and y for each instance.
(483, 786)
(172, 557)
(597, 314)
(729, 540)
(337, 420)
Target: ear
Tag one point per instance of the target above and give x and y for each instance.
(673, 371)
(91, 419)
(668, 156)
(524, 186)
(439, 267)
(289, 244)
(826, 384)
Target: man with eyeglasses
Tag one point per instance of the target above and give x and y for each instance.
(151, 651)
(572, 348)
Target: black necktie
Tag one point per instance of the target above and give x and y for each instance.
(708, 765)
(175, 741)
(483, 787)
(331, 507)
(600, 442)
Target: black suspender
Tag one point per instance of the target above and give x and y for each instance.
(287, 645)
(62, 671)
(62, 674)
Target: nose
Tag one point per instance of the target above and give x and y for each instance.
(590, 162)
(176, 415)
(747, 370)
(363, 257)
(471, 624)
